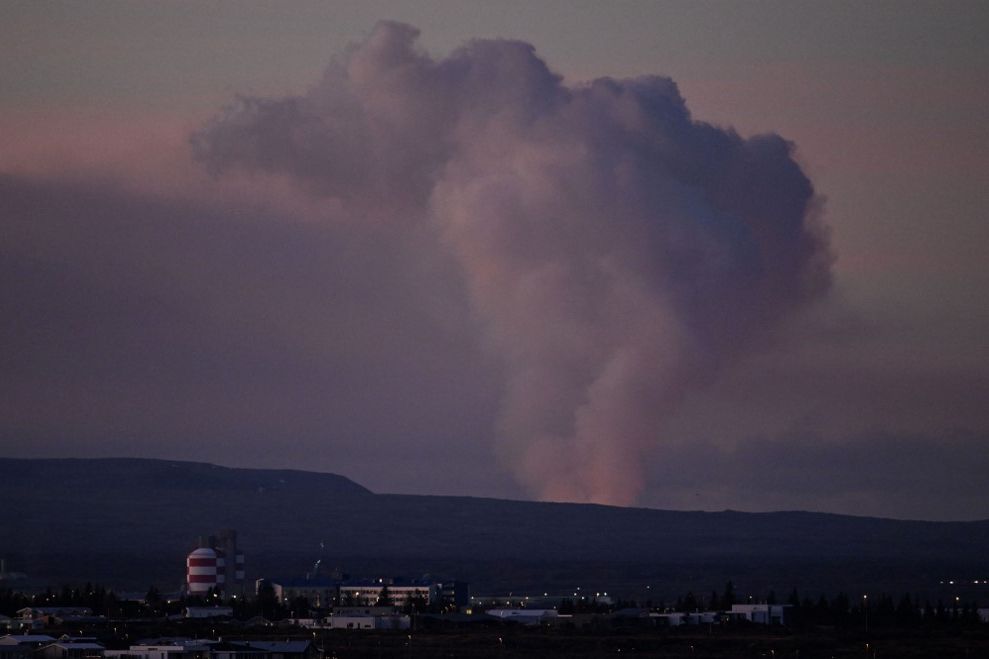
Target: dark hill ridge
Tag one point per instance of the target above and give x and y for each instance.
(110, 474)
(134, 520)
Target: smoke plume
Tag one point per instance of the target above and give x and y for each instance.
(616, 252)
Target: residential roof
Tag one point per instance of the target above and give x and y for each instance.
(291, 647)
(18, 639)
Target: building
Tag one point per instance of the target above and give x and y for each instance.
(174, 647)
(524, 616)
(321, 592)
(29, 641)
(203, 571)
(172, 650)
(760, 614)
(234, 650)
(184, 648)
(674, 619)
(205, 612)
(70, 650)
(325, 592)
(400, 593)
(286, 649)
(388, 592)
(217, 563)
(225, 544)
(454, 593)
(388, 621)
(32, 617)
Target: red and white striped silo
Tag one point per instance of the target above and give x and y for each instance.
(202, 571)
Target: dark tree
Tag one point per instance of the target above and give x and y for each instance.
(267, 601)
(729, 597)
(300, 606)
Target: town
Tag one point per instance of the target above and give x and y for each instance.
(219, 614)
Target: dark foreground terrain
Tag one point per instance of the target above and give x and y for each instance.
(669, 645)
(500, 640)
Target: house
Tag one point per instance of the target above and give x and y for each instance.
(523, 616)
(389, 621)
(167, 650)
(761, 614)
(22, 646)
(202, 612)
(286, 649)
(70, 650)
(678, 618)
(320, 592)
(350, 622)
(234, 650)
(674, 619)
(35, 616)
(26, 640)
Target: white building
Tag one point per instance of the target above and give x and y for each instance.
(524, 616)
(195, 650)
(398, 594)
(201, 612)
(760, 614)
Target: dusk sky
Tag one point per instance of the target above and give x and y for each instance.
(679, 255)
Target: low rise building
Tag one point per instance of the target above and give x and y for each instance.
(320, 592)
(387, 592)
(389, 621)
(760, 614)
(173, 650)
(324, 592)
(202, 612)
(674, 619)
(524, 616)
(70, 650)
(35, 616)
(286, 649)
(20, 646)
(233, 650)
(26, 640)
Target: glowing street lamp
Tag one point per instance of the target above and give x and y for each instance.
(865, 609)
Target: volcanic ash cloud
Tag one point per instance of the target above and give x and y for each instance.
(616, 252)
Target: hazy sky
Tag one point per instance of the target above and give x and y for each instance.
(270, 234)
